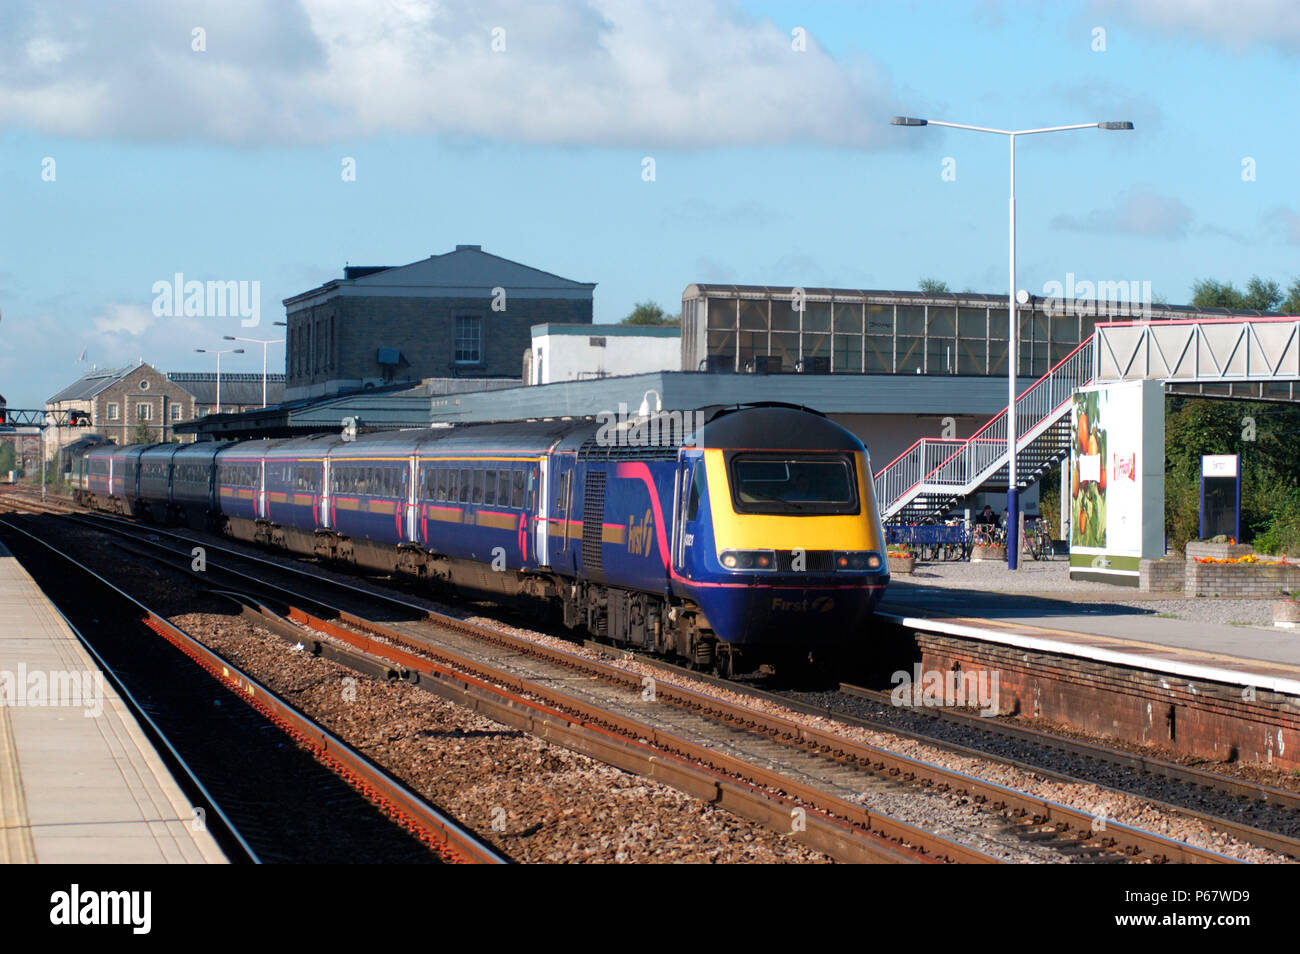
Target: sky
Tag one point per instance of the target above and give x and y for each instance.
(643, 146)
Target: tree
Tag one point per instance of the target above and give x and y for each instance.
(1292, 304)
(1261, 294)
(7, 457)
(143, 434)
(648, 313)
(933, 286)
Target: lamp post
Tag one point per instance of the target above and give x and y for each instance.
(219, 354)
(1013, 329)
(263, 342)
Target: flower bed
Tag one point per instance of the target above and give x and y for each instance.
(900, 560)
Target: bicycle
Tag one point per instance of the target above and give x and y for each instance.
(1037, 539)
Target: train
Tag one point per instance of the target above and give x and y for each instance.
(749, 538)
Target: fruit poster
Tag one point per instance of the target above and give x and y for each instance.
(1116, 480)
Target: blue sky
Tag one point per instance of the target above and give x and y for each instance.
(772, 165)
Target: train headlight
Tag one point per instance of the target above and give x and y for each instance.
(857, 560)
(764, 560)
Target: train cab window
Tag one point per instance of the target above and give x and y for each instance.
(811, 484)
(697, 491)
(490, 488)
(517, 498)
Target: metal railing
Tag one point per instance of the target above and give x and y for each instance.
(959, 466)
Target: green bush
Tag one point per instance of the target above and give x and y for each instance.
(1280, 532)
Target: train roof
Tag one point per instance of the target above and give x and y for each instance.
(776, 427)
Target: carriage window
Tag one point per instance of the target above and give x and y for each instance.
(478, 487)
(441, 492)
(518, 498)
(490, 488)
(464, 485)
(503, 488)
(562, 495)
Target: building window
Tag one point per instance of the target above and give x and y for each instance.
(144, 385)
(144, 412)
(177, 410)
(469, 336)
(112, 410)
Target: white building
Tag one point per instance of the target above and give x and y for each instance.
(577, 352)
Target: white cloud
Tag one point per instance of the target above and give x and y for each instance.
(124, 319)
(1137, 211)
(1285, 222)
(1238, 25)
(605, 72)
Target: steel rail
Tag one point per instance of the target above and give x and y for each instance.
(439, 832)
(827, 742)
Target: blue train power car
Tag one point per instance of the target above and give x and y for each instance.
(757, 537)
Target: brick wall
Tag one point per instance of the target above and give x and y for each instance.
(160, 395)
(1239, 580)
(338, 339)
(1161, 576)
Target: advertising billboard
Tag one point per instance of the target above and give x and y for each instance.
(1116, 480)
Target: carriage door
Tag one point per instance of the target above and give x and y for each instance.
(690, 489)
(541, 497)
(681, 487)
(260, 495)
(412, 520)
(323, 517)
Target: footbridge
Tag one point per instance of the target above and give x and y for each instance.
(1255, 357)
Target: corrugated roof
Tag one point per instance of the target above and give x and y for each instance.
(236, 389)
(91, 383)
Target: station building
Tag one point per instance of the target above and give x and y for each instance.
(463, 314)
(119, 403)
(578, 352)
(891, 366)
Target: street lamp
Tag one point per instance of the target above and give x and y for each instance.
(1013, 492)
(263, 342)
(219, 354)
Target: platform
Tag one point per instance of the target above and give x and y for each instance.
(80, 781)
(1040, 610)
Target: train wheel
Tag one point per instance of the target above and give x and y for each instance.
(726, 664)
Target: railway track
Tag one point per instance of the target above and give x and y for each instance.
(239, 819)
(824, 774)
(1276, 810)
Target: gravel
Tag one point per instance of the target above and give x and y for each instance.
(1082, 795)
(536, 801)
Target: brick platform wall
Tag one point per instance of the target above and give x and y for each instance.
(1239, 580)
(1215, 720)
(1161, 576)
